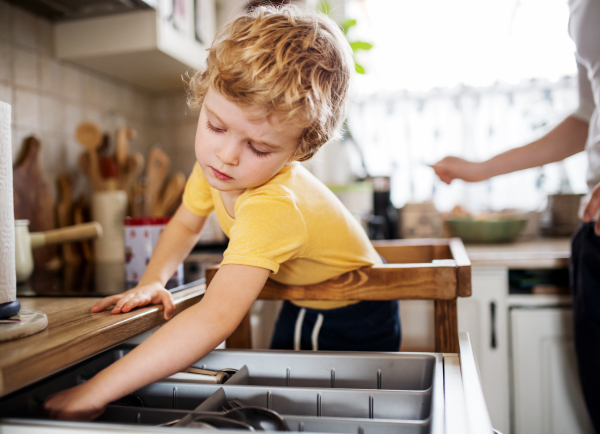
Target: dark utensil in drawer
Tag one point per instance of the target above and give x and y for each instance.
(218, 422)
(259, 418)
(197, 375)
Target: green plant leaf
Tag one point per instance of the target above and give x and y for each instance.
(360, 45)
(324, 7)
(347, 24)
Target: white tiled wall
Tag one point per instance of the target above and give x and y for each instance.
(50, 97)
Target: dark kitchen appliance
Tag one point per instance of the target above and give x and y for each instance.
(384, 222)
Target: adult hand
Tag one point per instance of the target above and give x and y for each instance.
(139, 296)
(592, 207)
(451, 168)
(74, 404)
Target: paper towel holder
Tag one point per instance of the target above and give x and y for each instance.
(9, 305)
(9, 309)
(16, 323)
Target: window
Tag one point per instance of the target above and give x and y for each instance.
(470, 78)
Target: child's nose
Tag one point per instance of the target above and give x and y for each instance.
(229, 152)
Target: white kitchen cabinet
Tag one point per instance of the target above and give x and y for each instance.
(547, 395)
(148, 48)
(523, 346)
(484, 317)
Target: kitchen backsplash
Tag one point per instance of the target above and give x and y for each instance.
(50, 97)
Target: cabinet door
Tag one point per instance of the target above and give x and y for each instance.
(484, 317)
(547, 394)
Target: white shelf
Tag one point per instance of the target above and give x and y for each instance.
(142, 48)
(541, 300)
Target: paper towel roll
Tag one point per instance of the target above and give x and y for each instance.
(8, 277)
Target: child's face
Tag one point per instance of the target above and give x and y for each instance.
(237, 151)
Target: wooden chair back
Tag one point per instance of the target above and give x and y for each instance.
(417, 269)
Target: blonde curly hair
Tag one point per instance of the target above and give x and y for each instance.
(288, 62)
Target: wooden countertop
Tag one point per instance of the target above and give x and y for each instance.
(536, 253)
(74, 334)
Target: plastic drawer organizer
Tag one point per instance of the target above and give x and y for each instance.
(329, 392)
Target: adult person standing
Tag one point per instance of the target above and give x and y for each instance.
(579, 131)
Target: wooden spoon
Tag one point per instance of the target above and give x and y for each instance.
(140, 205)
(171, 196)
(157, 170)
(134, 166)
(65, 217)
(90, 136)
(80, 209)
(123, 137)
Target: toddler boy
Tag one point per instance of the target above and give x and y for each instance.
(274, 91)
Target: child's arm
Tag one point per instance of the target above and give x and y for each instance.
(175, 243)
(175, 346)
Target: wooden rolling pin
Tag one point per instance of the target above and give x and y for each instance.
(68, 234)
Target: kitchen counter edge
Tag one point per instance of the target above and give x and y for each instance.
(74, 334)
(528, 254)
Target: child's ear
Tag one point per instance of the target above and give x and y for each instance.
(294, 157)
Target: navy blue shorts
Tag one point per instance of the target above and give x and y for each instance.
(585, 285)
(364, 326)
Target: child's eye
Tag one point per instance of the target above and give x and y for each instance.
(257, 152)
(213, 128)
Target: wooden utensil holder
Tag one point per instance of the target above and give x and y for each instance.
(417, 269)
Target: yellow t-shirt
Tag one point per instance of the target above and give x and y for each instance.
(292, 225)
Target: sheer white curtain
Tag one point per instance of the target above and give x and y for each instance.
(401, 133)
(470, 78)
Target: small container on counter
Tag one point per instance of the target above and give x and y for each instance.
(141, 236)
(109, 209)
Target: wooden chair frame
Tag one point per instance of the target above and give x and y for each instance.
(417, 269)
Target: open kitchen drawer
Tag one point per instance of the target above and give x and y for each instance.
(317, 392)
(417, 269)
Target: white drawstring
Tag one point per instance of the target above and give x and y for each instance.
(315, 332)
(298, 329)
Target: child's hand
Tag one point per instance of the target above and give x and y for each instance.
(73, 404)
(139, 296)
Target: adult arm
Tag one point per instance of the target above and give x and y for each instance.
(566, 139)
(175, 346)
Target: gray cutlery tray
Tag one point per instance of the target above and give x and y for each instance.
(342, 370)
(153, 417)
(338, 392)
(355, 403)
